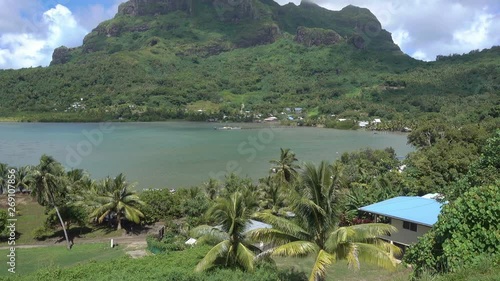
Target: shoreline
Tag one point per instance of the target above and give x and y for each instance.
(257, 125)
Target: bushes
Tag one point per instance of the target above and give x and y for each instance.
(466, 229)
(483, 269)
(174, 266)
(170, 243)
(41, 233)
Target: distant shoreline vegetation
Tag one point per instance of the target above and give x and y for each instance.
(285, 121)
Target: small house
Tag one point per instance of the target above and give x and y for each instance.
(413, 216)
(363, 124)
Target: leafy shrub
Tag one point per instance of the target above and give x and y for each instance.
(466, 229)
(3, 220)
(41, 233)
(169, 243)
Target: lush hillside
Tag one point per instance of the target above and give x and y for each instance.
(161, 59)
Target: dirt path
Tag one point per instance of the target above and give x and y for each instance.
(116, 240)
(134, 246)
(122, 240)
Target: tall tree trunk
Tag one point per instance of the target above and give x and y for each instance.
(119, 221)
(63, 226)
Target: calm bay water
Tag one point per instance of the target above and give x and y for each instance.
(175, 154)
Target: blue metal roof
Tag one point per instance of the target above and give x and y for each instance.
(413, 209)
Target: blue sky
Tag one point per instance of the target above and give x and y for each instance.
(31, 29)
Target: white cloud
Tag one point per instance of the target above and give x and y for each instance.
(420, 55)
(33, 47)
(89, 17)
(401, 37)
(476, 33)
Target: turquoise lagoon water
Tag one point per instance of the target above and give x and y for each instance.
(178, 154)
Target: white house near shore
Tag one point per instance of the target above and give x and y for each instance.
(413, 216)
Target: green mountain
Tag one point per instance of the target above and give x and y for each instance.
(200, 59)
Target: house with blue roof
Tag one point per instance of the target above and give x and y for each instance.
(413, 216)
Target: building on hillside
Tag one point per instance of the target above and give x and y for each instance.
(413, 216)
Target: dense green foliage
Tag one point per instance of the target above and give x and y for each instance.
(161, 66)
(444, 156)
(461, 162)
(232, 215)
(314, 230)
(114, 197)
(3, 220)
(468, 225)
(177, 266)
(484, 269)
(466, 229)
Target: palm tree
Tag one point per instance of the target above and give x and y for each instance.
(285, 168)
(272, 194)
(315, 230)
(49, 186)
(212, 188)
(3, 177)
(232, 213)
(23, 178)
(113, 197)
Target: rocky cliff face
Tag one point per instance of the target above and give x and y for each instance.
(316, 36)
(235, 10)
(226, 10)
(60, 55)
(265, 35)
(153, 7)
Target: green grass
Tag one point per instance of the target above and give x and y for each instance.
(340, 270)
(33, 259)
(30, 216)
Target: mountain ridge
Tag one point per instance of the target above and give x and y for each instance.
(163, 59)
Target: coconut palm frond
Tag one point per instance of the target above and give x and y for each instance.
(323, 259)
(216, 252)
(371, 230)
(295, 249)
(269, 235)
(132, 213)
(210, 232)
(370, 253)
(245, 257)
(282, 224)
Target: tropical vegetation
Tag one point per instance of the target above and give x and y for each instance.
(314, 229)
(199, 64)
(246, 61)
(314, 215)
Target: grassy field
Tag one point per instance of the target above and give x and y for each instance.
(33, 259)
(30, 215)
(340, 270)
(172, 266)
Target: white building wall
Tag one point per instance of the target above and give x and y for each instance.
(406, 236)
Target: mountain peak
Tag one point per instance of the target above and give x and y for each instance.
(226, 10)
